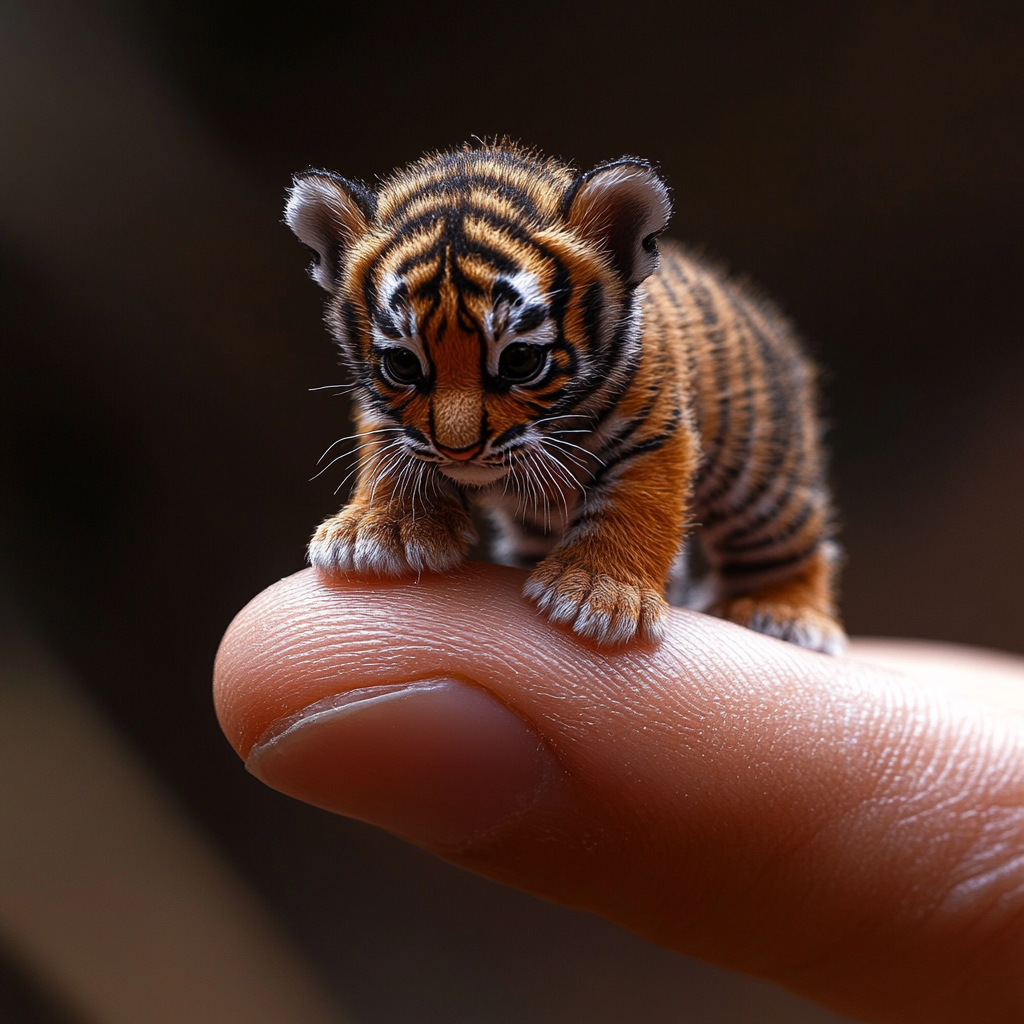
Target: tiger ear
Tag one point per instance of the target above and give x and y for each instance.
(329, 214)
(622, 206)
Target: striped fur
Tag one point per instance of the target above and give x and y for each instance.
(516, 346)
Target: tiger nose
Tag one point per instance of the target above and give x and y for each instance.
(461, 454)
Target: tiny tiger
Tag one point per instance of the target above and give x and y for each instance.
(521, 342)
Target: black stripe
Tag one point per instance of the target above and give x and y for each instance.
(725, 474)
(517, 430)
(592, 306)
(672, 267)
(782, 441)
(641, 448)
(631, 427)
(454, 230)
(726, 546)
(459, 183)
(716, 336)
(598, 377)
(757, 568)
(530, 319)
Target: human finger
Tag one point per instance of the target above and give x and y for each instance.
(845, 830)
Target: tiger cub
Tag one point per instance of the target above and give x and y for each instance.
(518, 343)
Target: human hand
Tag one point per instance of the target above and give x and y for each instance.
(848, 830)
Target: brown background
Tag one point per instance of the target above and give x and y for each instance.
(863, 161)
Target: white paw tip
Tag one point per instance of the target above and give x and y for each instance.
(603, 628)
(802, 633)
(534, 590)
(427, 560)
(371, 558)
(564, 610)
(329, 556)
(653, 630)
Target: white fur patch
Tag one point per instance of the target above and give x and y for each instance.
(527, 285)
(389, 288)
(589, 620)
(327, 220)
(473, 473)
(604, 628)
(304, 214)
(499, 320)
(800, 632)
(371, 557)
(332, 554)
(619, 207)
(421, 557)
(372, 553)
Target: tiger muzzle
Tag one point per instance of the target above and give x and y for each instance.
(461, 454)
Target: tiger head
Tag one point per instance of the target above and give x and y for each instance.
(484, 298)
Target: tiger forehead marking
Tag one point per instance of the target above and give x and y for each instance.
(458, 298)
(515, 345)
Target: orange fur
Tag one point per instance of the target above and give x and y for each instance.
(516, 346)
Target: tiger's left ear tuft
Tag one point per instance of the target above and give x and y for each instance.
(329, 214)
(622, 206)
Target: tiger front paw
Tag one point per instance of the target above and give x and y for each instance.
(391, 541)
(805, 627)
(596, 605)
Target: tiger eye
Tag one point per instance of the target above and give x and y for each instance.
(520, 362)
(401, 365)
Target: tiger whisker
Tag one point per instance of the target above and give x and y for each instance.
(521, 481)
(360, 465)
(417, 488)
(382, 470)
(564, 416)
(539, 491)
(574, 459)
(345, 455)
(560, 459)
(578, 447)
(406, 478)
(335, 387)
(563, 471)
(352, 437)
(546, 470)
(348, 476)
(535, 487)
(339, 458)
(560, 478)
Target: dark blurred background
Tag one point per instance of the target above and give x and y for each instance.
(862, 161)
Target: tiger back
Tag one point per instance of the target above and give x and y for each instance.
(515, 345)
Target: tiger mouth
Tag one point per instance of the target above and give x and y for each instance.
(476, 473)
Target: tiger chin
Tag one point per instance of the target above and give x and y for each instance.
(520, 341)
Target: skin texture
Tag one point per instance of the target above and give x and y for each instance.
(852, 831)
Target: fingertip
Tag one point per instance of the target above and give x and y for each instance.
(437, 761)
(313, 634)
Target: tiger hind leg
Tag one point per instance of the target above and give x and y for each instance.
(798, 608)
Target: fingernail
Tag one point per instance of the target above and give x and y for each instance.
(438, 762)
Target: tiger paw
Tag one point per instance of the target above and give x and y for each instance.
(596, 605)
(805, 627)
(391, 541)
